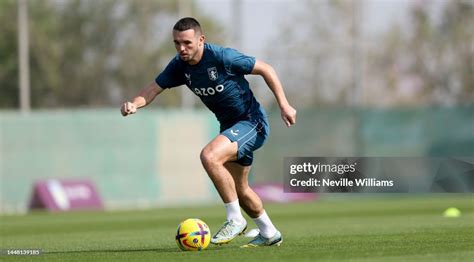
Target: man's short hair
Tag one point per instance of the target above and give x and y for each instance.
(188, 23)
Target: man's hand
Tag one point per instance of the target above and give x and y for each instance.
(288, 114)
(128, 108)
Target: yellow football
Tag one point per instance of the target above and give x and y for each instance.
(193, 235)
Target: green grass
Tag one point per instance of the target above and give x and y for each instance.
(347, 228)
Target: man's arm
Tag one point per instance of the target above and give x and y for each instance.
(288, 113)
(144, 98)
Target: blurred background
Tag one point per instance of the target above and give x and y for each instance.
(368, 78)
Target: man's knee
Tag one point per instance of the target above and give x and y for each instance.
(211, 158)
(207, 157)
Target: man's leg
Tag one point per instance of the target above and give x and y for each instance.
(219, 151)
(252, 204)
(248, 199)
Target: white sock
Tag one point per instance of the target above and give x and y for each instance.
(267, 229)
(233, 211)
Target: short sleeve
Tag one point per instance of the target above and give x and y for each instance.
(172, 76)
(236, 63)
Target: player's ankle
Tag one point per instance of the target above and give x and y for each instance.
(233, 212)
(265, 225)
(269, 232)
(239, 220)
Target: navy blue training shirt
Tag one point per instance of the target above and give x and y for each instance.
(218, 80)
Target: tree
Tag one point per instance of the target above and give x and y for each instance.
(90, 53)
(431, 63)
(8, 55)
(316, 52)
(426, 60)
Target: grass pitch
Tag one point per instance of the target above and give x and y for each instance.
(335, 228)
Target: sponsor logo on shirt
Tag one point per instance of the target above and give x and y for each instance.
(210, 91)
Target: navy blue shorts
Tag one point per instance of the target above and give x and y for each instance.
(250, 135)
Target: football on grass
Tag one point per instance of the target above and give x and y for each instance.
(193, 235)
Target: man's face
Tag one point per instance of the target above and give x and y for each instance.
(188, 45)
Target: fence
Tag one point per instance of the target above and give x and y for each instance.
(152, 158)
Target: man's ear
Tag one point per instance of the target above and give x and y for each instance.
(202, 38)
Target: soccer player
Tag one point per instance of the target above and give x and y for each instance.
(216, 75)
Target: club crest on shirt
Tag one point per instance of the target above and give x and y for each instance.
(212, 72)
(188, 78)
